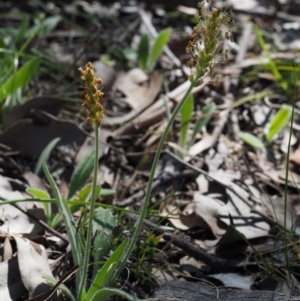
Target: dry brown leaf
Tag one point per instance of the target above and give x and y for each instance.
(14, 221)
(139, 90)
(30, 137)
(34, 267)
(11, 285)
(181, 220)
(51, 105)
(209, 209)
(192, 267)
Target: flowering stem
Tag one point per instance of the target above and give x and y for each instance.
(208, 31)
(144, 205)
(86, 258)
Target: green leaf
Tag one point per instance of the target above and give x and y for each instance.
(42, 195)
(73, 234)
(129, 54)
(103, 275)
(107, 192)
(38, 193)
(279, 121)
(20, 79)
(103, 224)
(49, 24)
(251, 140)
(22, 30)
(202, 121)
(271, 64)
(143, 51)
(52, 282)
(81, 173)
(158, 47)
(45, 155)
(104, 293)
(186, 115)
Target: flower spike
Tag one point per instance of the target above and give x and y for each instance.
(92, 95)
(205, 48)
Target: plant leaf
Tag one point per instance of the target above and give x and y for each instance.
(81, 173)
(279, 121)
(37, 193)
(186, 115)
(104, 293)
(45, 155)
(22, 30)
(73, 234)
(251, 140)
(20, 79)
(202, 121)
(107, 192)
(103, 275)
(103, 224)
(158, 46)
(143, 51)
(271, 65)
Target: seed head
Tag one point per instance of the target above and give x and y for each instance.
(205, 48)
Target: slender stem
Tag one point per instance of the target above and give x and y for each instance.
(90, 223)
(144, 205)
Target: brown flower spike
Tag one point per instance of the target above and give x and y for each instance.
(206, 46)
(92, 96)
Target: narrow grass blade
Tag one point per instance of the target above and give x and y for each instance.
(158, 47)
(69, 222)
(143, 51)
(107, 192)
(22, 30)
(186, 115)
(271, 66)
(20, 79)
(279, 121)
(81, 173)
(251, 140)
(103, 276)
(45, 155)
(104, 293)
(52, 281)
(202, 121)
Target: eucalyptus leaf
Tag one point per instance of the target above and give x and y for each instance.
(279, 121)
(251, 140)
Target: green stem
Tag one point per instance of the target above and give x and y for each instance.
(86, 259)
(144, 205)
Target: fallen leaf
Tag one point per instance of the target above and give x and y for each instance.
(30, 137)
(139, 91)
